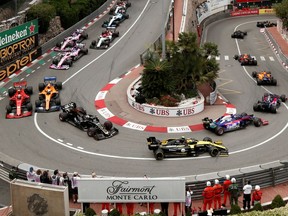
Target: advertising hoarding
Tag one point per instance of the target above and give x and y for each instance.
(131, 190)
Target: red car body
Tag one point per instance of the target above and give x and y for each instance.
(19, 105)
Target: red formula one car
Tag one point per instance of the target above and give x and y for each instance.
(246, 59)
(19, 105)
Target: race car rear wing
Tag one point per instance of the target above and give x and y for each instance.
(20, 84)
(50, 79)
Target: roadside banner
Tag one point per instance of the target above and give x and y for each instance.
(131, 190)
(245, 12)
(266, 11)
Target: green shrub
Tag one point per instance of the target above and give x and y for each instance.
(90, 212)
(235, 209)
(258, 207)
(44, 12)
(114, 212)
(277, 202)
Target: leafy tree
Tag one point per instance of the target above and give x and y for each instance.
(156, 78)
(44, 12)
(258, 207)
(281, 10)
(186, 65)
(235, 209)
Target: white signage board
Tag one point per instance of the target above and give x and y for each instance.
(130, 190)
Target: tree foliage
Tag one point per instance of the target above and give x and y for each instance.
(44, 12)
(277, 202)
(186, 65)
(281, 10)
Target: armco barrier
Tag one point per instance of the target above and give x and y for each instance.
(51, 43)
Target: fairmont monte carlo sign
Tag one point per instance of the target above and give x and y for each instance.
(131, 190)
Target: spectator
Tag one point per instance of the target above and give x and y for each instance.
(66, 180)
(188, 200)
(74, 185)
(13, 173)
(31, 175)
(208, 194)
(226, 185)
(234, 192)
(257, 195)
(93, 175)
(164, 208)
(45, 178)
(38, 175)
(130, 209)
(218, 189)
(247, 189)
(56, 177)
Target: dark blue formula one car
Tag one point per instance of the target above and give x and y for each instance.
(232, 122)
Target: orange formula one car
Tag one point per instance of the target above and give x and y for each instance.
(49, 100)
(264, 78)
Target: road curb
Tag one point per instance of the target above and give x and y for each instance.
(107, 114)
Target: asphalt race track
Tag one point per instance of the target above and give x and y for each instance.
(44, 141)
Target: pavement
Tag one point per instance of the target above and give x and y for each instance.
(112, 98)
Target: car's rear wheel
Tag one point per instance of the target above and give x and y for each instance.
(207, 139)
(219, 131)
(257, 122)
(214, 152)
(273, 109)
(91, 131)
(28, 90)
(283, 97)
(58, 85)
(159, 154)
(63, 116)
(255, 107)
(41, 87)
(11, 92)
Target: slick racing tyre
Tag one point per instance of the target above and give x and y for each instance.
(159, 154)
(213, 152)
(207, 139)
(63, 116)
(256, 107)
(28, 90)
(41, 87)
(29, 107)
(11, 92)
(8, 109)
(91, 132)
(58, 85)
(273, 109)
(257, 122)
(219, 131)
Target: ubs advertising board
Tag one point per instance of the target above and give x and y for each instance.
(131, 190)
(18, 47)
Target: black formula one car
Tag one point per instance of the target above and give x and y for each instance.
(104, 40)
(232, 122)
(265, 24)
(264, 78)
(78, 117)
(239, 34)
(185, 147)
(269, 103)
(246, 59)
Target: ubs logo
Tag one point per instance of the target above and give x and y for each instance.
(37, 205)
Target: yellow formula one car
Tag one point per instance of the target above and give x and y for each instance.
(185, 147)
